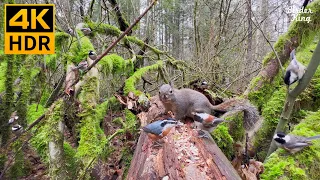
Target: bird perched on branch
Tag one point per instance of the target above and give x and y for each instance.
(293, 143)
(82, 65)
(13, 117)
(70, 31)
(294, 71)
(206, 122)
(86, 31)
(17, 129)
(159, 129)
(92, 55)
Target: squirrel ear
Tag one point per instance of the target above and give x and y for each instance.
(171, 83)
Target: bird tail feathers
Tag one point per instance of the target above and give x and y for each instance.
(314, 137)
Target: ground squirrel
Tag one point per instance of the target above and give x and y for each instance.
(183, 102)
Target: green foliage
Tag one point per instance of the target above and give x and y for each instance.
(132, 80)
(223, 139)
(33, 113)
(302, 165)
(61, 38)
(51, 61)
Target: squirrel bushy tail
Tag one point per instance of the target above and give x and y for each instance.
(251, 114)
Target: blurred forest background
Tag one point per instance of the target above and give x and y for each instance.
(83, 131)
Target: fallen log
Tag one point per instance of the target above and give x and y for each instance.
(182, 156)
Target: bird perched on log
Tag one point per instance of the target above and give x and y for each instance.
(17, 129)
(159, 129)
(92, 55)
(86, 31)
(293, 143)
(206, 122)
(13, 117)
(294, 71)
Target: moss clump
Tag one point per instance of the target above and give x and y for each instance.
(92, 138)
(223, 139)
(80, 51)
(261, 96)
(115, 64)
(70, 160)
(106, 29)
(132, 80)
(302, 165)
(236, 129)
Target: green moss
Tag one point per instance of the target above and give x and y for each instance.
(33, 113)
(223, 139)
(236, 129)
(92, 138)
(132, 80)
(261, 96)
(71, 161)
(51, 61)
(80, 53)
(302, 165)
(127, 156)
(20, 167)
(3, 67)
(115, 64)
(104, 29)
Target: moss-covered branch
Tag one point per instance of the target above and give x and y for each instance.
(302, 165)
(136, 76)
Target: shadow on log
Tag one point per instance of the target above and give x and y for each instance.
(182, 156)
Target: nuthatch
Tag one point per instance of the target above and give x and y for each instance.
(92, 55)
(159, 129)
(86, 31)
(206, 121)
(17, 129)
(294, 71)
(13, 117)
(293, 143)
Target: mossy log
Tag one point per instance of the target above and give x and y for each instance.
(183, 156)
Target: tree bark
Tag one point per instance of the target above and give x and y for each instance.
(183, 156)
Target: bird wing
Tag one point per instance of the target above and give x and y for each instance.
(298, 145)
(154, 128)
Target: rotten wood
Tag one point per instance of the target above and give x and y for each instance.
(182, 156)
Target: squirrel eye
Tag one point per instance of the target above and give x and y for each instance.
(171, 91)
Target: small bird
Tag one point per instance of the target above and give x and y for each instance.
(204, 85)
(13, 117)
(17, 129)
(159, 129)
(92, 55)
(70, 31)
(293, 143)
(82, 65)
(206, 122)
(294, 71)
(86, 31)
